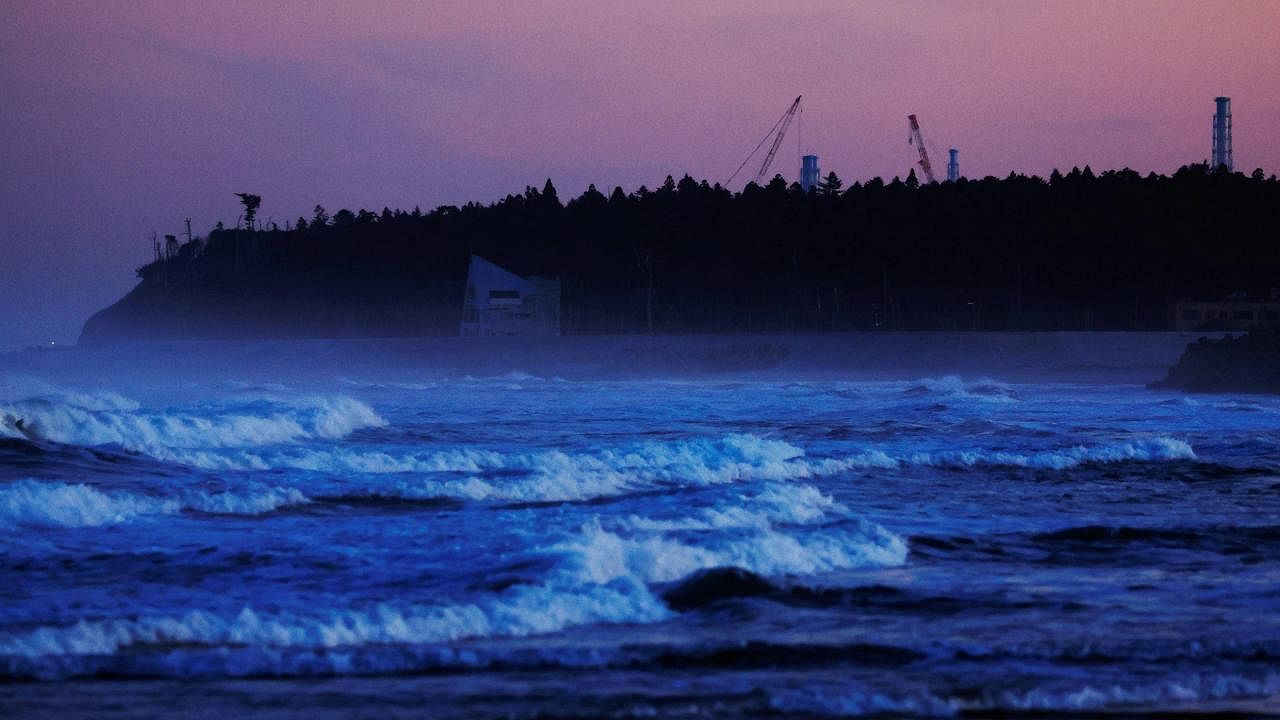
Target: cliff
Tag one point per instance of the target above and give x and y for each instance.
(245, 285)
(1249, 363)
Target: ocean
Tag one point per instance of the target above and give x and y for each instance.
(312, 537)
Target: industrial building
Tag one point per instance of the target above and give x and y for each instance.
(1192, 315)
(501, 303)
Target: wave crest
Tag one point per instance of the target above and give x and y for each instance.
(62, 505)
(109, 419)
(548, 476)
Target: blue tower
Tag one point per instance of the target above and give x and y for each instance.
(808, 172)
(1222, 134)
(953, 165)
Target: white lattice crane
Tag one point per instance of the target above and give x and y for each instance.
(777, 132)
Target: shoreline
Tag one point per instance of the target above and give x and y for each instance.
(1123, 357)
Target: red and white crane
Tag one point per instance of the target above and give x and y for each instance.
(917, 139)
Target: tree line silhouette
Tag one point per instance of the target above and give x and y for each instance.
(1075, 251)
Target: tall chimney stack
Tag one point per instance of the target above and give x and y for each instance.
(1222, 134)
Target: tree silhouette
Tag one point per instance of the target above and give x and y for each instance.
(549, 195)
(251, 203)
(1103, 251)
(830, 186)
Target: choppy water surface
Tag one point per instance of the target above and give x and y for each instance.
(519, 545)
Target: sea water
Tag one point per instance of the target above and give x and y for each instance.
(515, 545)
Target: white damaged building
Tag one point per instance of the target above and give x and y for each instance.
(499, 302)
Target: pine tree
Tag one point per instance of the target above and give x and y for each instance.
(830, 186)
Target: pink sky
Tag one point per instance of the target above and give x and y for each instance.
(123, 118)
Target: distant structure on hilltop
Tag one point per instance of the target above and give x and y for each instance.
(914, 137)
(1222, 134)
(1238, 312)
(499, 302)
(809, 172)
(953, 165)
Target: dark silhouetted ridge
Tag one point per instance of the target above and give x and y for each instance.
(1077, 251)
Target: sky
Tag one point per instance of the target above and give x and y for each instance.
(120, 119)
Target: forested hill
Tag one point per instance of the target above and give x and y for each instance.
(1075, 251)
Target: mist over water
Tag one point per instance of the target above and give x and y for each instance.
(503, 532)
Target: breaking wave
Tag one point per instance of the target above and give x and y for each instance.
(109, 419)
(951, 386)
(775, 503)
(602, 556)
(1155, 449)
(550, 475)
(27, 502)
(524, 611)
(1141, 450)
(55, 504)
(596, 575)
(558, 476)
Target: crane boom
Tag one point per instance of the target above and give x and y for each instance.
(777, 132)
(787, 117)
(918, 139)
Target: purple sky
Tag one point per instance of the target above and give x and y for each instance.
(120, 118)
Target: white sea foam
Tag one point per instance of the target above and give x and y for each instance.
(27, 502)
(255, 500)
(598, 576)
(106, 418)
(554, 475)
(524, 611)
(549, 475)
(56, 504)
(952, 386)
(599, 555)
(793, 504)
(1153, 449)
(1142, 449)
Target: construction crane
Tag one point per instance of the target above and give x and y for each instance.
(914, 137)
(777, 132)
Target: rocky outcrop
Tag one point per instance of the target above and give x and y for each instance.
(1248, 363)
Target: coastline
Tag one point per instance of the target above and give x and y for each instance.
(1066, 356)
